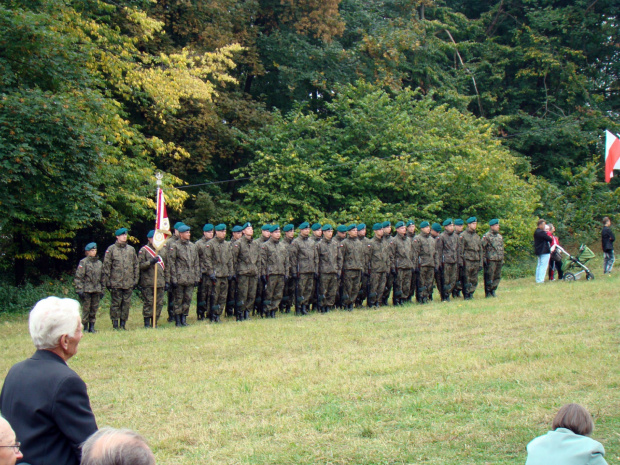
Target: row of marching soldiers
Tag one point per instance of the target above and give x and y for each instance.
(278, 271)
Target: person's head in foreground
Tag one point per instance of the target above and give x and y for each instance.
(567, 443)
(55, 325)
(9, 447)
(110, 446)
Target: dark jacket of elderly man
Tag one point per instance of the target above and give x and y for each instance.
(43, 399)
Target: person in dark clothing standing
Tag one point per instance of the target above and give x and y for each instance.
(542, 247)
(608, 246)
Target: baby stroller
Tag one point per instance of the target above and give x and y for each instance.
(576, 266)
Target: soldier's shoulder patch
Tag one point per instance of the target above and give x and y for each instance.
(236, 245)
(80, 266)
(208, 245)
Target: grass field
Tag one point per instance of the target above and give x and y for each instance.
(458, 383)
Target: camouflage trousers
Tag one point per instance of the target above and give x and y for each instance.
(246, 292)
(449, 272)
(328, 289)
(377, 286)
(273, 292)
(351, 285)
(425, 282)
(402, 284)
(182, 299)
(220, 293)
(306, 285)
(458, 284)
(203, 295)
(389, 284)
(288, 294)
(413, 285)
(493, 273)
(90, 306)
(147, 299)
(361, 295)
(120, 303)
(471, 276)
(230, 298)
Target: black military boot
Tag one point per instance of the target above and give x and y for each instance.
(122, 325)
(304, 309)
(492, 295)
(246, 315)
(114, 324)
(148, 322)
(91, 327)
(200, 316)
(183, 320)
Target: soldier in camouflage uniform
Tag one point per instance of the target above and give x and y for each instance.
(403, 263)
(471, 257)
(353, 264)
(446, 246)
(458, 285)
(425, 260)
(304, 261)
(169, 242)
(120, 275)
(184, 273)
(493, 251)
(361, 236)
(378, 257)
(330, 266)
(389, 278)
(232, 284)
(274, 270)
(219, 270)
(148, 259)
(410, 235)
(317, 235)
(289, 286)
(435, 232)
(341, 235)
(88, 286)
(261, 287)
(246, 260)
(205, 287)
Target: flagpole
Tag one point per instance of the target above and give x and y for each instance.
(159, 177)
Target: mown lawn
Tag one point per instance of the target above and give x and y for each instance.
(457, 383)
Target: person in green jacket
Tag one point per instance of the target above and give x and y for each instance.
(568, 442)
(88, 286)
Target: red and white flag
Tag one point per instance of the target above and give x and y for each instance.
(612, 155)
(162, 224)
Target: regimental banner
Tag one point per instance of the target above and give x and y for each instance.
(162, 224)
(612, 155)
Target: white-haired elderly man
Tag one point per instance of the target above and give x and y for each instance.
(43, 399)
(110, 446)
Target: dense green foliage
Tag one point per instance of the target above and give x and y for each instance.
(339, 110)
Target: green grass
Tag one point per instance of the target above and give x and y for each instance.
(458, 383)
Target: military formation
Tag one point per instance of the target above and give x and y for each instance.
(319, 270)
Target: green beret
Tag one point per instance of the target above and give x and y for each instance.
(316, 226)
(184, 228)
(177, 225)
(237, 228)
(120, 232)
(400, 224)
(386, 224)
(410, 222)
(288, 227)
(275, 227)
(150, 234)
(459, 222)
(351, 227)
(327, 227)
(436, 227)
(424, 224)
(472, 219)
(265, 227)
(246, 225)
(220, 227)
(447, 222)
(377, 226)
(361, 226)
(207, 227)
(304, 225)
(341, 228)
(90, 246)
(493, 221)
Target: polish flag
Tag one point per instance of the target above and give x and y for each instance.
(612, 155)
(162, 223)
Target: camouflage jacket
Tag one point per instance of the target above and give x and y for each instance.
(201, 247)
(353, 256)
(184, 263)
(446, 245)
(274, 258)
(470, 247)
(218, 258)
(88, 275)
(246, 257)
(378, 255)
(403, 252)
(493, 246)
(304, 258)
(287, 243)
(147, 271)
(424, 252)
(330, 258)
(120, 267)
